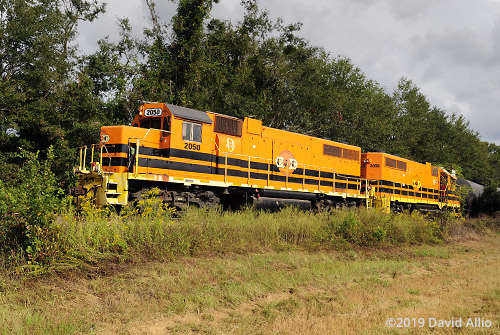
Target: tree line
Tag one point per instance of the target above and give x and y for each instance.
(54, 95)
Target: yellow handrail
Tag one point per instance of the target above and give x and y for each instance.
(348, 180)
(84, 157)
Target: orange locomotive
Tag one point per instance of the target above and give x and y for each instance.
(207, 159)
(397, 183)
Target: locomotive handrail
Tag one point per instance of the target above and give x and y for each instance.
(269, 162)
(334, 179)
(246, 156)
(137, 145)
(82, 166)
(348, 179)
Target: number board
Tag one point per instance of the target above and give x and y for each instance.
(153, 112)
(192, 146)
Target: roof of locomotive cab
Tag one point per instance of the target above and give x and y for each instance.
(189, 114)
(178, 111)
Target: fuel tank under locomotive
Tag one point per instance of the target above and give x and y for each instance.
(275, 199)
(273, 204)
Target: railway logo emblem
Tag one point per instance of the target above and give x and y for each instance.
(230, 145)
(286, 163)
(104, 137)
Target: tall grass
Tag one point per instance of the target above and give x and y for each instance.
(150, 231)
(94, 238)
(33, 237)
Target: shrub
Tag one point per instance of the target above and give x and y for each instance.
(350, 227)
(27, 209)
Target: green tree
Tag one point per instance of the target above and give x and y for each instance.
(263, 69)
(414, 131)
(153, 78)
(37, 60)
(186, 49)
(494, 164)
(489, 201)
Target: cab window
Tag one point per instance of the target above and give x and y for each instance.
(166, 123)
(191, 131)
(153, 123)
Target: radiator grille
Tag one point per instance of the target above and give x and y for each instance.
(228, 126)
(331, 150)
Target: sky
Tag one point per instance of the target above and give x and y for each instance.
(449, 48)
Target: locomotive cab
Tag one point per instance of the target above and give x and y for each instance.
(153, 117)
(164, 128)
(447, 184)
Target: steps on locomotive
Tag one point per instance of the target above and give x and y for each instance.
(111, 190)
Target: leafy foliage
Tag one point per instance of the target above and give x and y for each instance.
(38, 89)
(28, 208)
(489, 201)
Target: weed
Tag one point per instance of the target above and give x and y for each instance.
(266, 292)
(379, 234)
(428, 251)
(414, 291)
